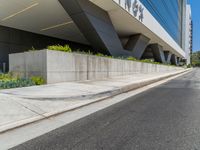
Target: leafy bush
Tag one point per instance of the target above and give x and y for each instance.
(8, 81)
(109, 56)
(150, 61)
(100, 55)
(65, 48)
(15, 83)
(32, 49)
(131, 58)
(88, 52)
(5, 76)
(147, 60)
(189, 66)
(38, 80)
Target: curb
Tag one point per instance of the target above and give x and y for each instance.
(104, 96)
(109, 93)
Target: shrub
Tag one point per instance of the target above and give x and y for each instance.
(100, 55)
(131, 58)
(8, 81)
(147, 60)
(151, 61)
(37, 80)
(15, 83)
(109, 56)
(189, 66)
(65, 48)
(32, 49)
(88, 52)
(5, 76)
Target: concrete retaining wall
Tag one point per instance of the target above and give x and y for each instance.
(57, 66)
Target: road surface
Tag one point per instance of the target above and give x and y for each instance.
(163, 118)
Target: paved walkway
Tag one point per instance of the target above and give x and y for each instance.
(24, 105)
(163, 118)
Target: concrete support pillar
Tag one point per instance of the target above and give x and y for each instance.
(158, 53)
(174, 60)
(137, 45)
(96, 26)
(147, 54)
(168, 56)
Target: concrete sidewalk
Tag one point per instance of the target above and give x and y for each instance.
(25, 105)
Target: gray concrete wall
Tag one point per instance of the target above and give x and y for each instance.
(57, 66)
(29, 64)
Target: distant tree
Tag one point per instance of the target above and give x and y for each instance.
(196, 59)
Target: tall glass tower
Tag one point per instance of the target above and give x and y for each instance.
(169, 13)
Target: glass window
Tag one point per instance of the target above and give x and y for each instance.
(169, 14)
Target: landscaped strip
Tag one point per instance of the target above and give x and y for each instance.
(66, 48)
(8, 81)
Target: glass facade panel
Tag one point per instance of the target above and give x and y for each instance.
(169, 14)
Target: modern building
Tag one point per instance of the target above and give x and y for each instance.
(139, 28)
(189, 30)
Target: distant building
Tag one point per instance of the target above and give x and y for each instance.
(189, 30)
(139, 28)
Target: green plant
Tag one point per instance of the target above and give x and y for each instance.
(189, 66)
(195, 59)
(7, 76)
(38, 80)
(15, 83)
(88, 52)
(8, 81)
(131, 58)
(32, 49)
(65, 48)
(151, 61)
(147, 60)
(109, 56)
(100, 55)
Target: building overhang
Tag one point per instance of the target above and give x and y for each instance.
(48, 17)
(126, 24)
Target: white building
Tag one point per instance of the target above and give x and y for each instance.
(188, 42)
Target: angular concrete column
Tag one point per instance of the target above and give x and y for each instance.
(158, 53)
(168, 56)
(96, 26)
(147, 53)
(174, 60)
(137, 45)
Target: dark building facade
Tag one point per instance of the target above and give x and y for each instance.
(15, 41)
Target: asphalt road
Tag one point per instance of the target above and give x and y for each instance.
(163, 118)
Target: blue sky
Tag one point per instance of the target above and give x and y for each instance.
(195, 4)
